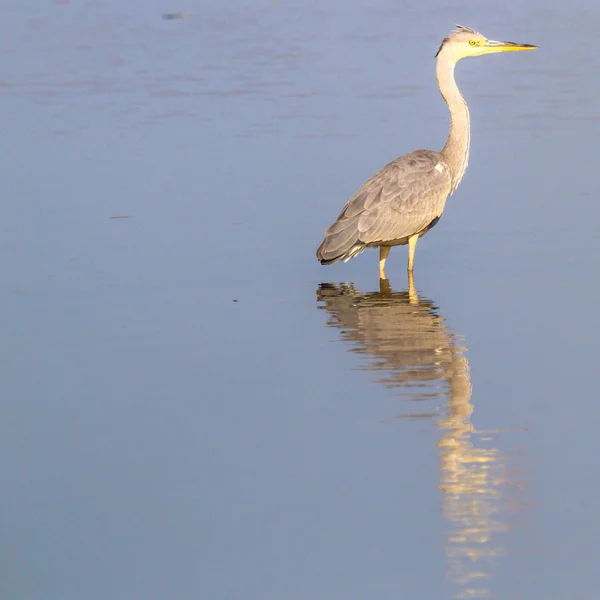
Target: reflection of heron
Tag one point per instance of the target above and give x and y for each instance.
(473, 481)
(405, 335)
(406, 198)
(406, 342)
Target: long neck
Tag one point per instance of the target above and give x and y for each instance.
(456, 150)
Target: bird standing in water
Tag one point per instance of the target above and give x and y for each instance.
(406, 198)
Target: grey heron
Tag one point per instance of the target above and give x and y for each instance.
(405, 199)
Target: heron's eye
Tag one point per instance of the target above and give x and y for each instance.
(472, 42)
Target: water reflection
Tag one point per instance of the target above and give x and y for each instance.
(405, 341)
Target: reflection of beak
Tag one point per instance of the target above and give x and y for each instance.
(494, 46)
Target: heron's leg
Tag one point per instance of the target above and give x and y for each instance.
(383, 254)
(412, 242)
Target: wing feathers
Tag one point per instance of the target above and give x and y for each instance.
(397, 202)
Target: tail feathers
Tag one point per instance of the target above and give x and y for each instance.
(345, 257)
(339, 244)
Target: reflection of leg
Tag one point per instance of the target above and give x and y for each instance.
(385, 289)
(383, 254)
(412, 242)
(413, 298)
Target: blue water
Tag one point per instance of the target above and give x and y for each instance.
(193, 407)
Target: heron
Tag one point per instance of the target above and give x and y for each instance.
(405, 199)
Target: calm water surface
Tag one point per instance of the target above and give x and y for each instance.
(193, 407)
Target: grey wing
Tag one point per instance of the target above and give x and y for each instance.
(401, 200)
(408, 195)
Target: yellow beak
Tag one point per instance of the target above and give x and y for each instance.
(494, 46)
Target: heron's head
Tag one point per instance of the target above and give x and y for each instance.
(464, 42)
